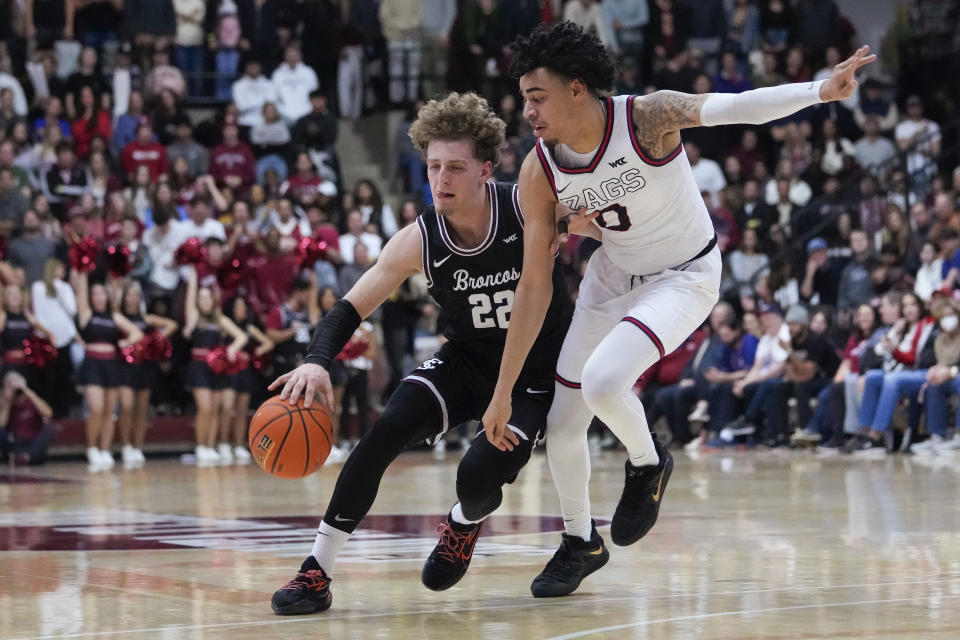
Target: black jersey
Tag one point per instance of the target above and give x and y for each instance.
(101, 328)
(15, 331)
(475, 287)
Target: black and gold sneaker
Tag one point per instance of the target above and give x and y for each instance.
(640, 502)
(574, 560)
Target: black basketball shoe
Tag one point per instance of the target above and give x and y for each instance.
(574, 560)
(642, 494)
(450, 559)
(309, 591)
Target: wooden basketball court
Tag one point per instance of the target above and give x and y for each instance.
(749, 545)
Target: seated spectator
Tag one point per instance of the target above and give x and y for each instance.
(356, 234)
(52, 118)
(145, 151)
(754, 388)
(26, 432)
(736, 360)
(873, 152)
(743, 30)
(201, 224)
(377, 214)
(8, 160)
(168, 116)
(100, 181)
(184, 146)
(91, 121)
(273, 272)
(317, 132)
(895, 232)
(251, 91)
(285, 219)
(140, 193)
(769, 75)
(304, 186)
(676, 401)
(796, 66)
(901, 350)
(125, 130)
(729, 78)
(746, 261)
(13, 204)
(289, 324)
(270, 140)
(873, 105)
(838, 152)
(929, 277)
(706, 172)
(294, 82)
(8, 114)
(755, 213)
(920, 139)
(232, 163)
(66, 181)
(811, 364)
(11, 84)
(855, 286)
(942, 382)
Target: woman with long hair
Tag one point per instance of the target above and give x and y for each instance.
(895, 231)
(91, 121)
(242, 385)
(900, 349)
(375, 211)
(54, 301)
(206, 328)
(139, 378)
(140, 193)
(100, 180)
(105, 332)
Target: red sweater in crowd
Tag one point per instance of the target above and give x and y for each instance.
(237, 160)
(84, 131)
(152, 154)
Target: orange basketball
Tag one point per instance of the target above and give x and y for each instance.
(290, 441)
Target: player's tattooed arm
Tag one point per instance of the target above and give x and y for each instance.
(663, 112)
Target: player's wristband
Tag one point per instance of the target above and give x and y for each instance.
(333, 333)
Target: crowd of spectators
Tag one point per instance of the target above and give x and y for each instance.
(131, 128)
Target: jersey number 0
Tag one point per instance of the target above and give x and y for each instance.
(483, 306)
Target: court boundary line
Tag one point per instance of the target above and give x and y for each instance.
(551, 602)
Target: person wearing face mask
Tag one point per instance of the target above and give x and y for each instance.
(942, 381)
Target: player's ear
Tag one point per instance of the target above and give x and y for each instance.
(577, 88)
(486, 171)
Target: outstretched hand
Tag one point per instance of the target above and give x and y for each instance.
(842, 82)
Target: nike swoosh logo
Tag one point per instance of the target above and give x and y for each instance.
(437, 263)
(597, 552)
(337, 518)
(529, 390)
(562, 190)
(656, 496)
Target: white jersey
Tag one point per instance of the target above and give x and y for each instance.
(652, 215)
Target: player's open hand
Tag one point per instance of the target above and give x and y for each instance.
(842, 83)
(579, 223)
(495, 424)
(308, 379)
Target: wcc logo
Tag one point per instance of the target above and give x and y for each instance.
(619, 162)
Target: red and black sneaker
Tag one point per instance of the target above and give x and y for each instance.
(451, 557)
(309, 591)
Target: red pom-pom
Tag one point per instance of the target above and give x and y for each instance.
(156, 347)
(218, 361)
(118, 260)
(309, 250)
(191, 252)
(133, 354)
(241, 363)
(259, 363)
(38, 351)
(83, 254)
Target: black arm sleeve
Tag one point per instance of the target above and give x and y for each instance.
(333, 333)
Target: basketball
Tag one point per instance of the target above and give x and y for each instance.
(290, 441)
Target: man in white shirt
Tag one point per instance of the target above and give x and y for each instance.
(251, 91)
(921, 138)
(294, 81)
(355, 234)
(707, 173)
(201, 224)
(872, 151)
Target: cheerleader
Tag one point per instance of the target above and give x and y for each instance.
(104, 333)
(16, 325)
(242, 385)
(138, 378)
(205, 328)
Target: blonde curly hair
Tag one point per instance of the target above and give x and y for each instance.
(460, 117)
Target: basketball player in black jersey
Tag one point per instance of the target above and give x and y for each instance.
(469, 247)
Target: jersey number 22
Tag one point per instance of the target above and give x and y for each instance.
(482, 308)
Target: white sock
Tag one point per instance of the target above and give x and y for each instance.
(569, 458)
(456, 514)
(327, 546)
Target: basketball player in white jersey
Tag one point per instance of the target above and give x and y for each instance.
(651, 283)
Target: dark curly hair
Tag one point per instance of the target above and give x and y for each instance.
(567, 50)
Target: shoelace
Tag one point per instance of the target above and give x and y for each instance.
(455, 543)
(311, 579)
